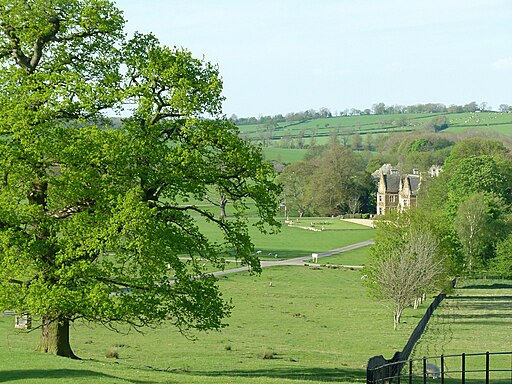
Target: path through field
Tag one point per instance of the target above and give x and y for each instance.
(301, 260)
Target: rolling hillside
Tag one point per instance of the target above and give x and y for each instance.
(285, 141)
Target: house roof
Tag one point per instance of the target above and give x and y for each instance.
(414, 183)
(386, 169)
(392, 183)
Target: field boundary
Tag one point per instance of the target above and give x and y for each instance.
(379, 368)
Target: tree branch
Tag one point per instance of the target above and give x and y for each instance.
(37, 52)
(69, 210)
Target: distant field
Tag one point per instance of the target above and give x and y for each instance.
(284, 155)
(295, 241)
(369, 127)
(357, 256)
(317, 325)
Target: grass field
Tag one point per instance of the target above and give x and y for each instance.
(284, 155)
(358, 256)
(295, 241)
(369, 125)
(475, 318)
(315, 325)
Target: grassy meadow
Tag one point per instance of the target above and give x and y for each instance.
(476, 317)
(375, 124)
(312, 325)
(369, 127)
(296, 241)
(357, 256)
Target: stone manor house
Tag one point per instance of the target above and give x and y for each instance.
(396, 191)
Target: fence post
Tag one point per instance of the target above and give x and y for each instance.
(410, 371)
(442, 369)
(424, 370)
(463, 368)
(486, 367)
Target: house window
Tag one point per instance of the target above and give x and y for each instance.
(380, 197)
(392, 198)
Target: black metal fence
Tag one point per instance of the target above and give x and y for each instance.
(466, 368)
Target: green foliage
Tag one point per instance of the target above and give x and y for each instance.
(475, 147)
(331, 181)
(471, 200)
(479, 226)
(94, 217)
(502, 263)
(294, 179)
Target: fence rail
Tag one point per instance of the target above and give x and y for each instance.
(465, 368)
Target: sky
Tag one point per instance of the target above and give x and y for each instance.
(281, 56)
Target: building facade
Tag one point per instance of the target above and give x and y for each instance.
(395, 191)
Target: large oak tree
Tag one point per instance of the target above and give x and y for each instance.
(95, 216)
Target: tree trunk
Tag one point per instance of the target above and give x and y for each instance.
(55, 338)
(222, 206)
(397, 315)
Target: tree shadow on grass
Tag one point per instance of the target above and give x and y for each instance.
(506, 285)
(68, 374)
(304, 374)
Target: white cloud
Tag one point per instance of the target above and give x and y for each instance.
(503, 64)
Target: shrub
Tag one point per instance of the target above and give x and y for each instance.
(112, 353)
(267, 354)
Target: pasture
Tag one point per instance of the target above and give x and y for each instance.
(378, 124)
(312, 325)
(369, 127)
(476, 317)
(297, 240)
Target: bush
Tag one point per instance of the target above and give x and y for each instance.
(112, 353)
(268, 354)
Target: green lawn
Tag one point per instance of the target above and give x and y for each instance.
(476, 317)
(319, 325)
(295, 241)
(357, 256)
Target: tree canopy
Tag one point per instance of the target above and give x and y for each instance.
(95, 217)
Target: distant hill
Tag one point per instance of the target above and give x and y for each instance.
(287, 141)
(498, 122)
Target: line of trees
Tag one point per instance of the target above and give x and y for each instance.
(376, 109)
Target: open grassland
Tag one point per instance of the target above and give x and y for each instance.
(377, 124)
(284, 155)
(298, 240)
(357, 256)
(369, 127)
(475, 318)
(312, 325)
